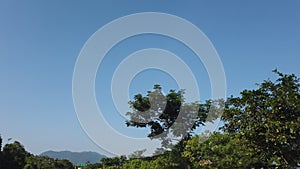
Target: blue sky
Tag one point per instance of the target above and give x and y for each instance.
(41, 40)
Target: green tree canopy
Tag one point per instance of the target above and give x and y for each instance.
(137, 163)
(110, 162)
(14, 156)
(43, 162)
(168, 116)
(220, 151)
(269, 117)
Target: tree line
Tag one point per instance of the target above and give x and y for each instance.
(261, 128)
(14, 156)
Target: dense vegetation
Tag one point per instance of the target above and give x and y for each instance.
(14, 156)
(261, 130)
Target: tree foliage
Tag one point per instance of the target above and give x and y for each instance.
(262, 126)
(110, 162)
(14, 156)
(93, 166)
(167, 160)
(168, 116)
(269, 118)
(220, 151)
(43, 162)
(137, 163)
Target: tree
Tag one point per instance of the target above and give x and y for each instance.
(43, 162)
(220, 151)
(137, 163)
(93, 166)
(168, 116)
(31, 162)
(14, 156)
(169, 160)
(63, 164)
(110, 162)
(269, 117)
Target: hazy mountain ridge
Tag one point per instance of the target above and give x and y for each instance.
(75, 157)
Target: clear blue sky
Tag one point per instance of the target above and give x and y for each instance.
(40, 42)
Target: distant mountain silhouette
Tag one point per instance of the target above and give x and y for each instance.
(75, 157)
